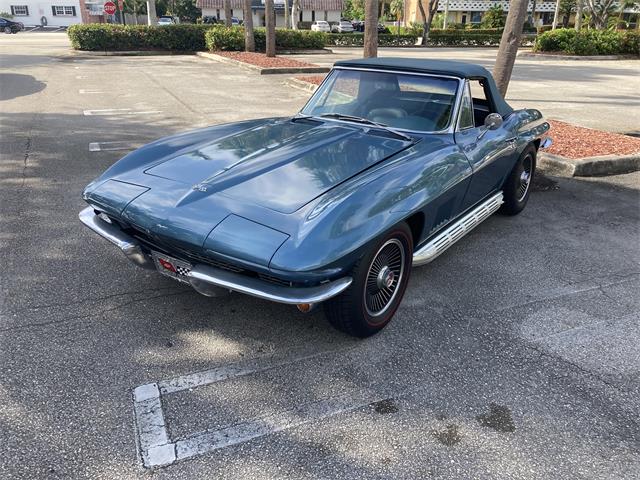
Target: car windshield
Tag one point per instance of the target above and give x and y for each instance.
(400, 100)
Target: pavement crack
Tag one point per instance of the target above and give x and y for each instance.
(86, 317)
(25, 163)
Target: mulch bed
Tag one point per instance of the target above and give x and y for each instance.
(569, 141)
(315, 79)
(572, 141)
(261, 60)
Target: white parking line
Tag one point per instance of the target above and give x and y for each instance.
(81, 77)
(119, 111)
(157, 448)
(83, 91)
(109, 146)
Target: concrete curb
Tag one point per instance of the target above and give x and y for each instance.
(551, 56)
(301, 84)
(262, 70)
(589, 166)
(128, 53)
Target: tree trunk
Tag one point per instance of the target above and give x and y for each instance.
(249, 41)
(370, 28)
(295, 14)
(445, 22)
(578, 14)
(270, 21)
(533, 14)
(286, 13)
(425, 28)
(509, 44)
(556, 16)
(227, 12)
(151, 12)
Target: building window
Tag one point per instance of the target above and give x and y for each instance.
(63, 11)
(476, 17)
(547, 18)
(313, 15)
(19, 10)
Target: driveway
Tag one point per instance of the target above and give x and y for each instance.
(514, 355)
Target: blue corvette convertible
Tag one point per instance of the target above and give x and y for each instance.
(389, 163)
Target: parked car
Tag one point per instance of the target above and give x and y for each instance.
(168, 20)
(343, 26)
(9, 26)
(388, 164)
(320, 26)
(358, 26)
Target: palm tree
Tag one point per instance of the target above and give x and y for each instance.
(286, 13)
(249, 41)
(295, 14)
(227, 12)
(151, 12)
(370, 28)
(578, 14)
(556, 16)
(396, 8)
(270, 21)
(509, 43)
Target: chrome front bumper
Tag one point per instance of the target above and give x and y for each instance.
(206, 279)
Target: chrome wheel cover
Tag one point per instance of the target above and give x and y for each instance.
(525, 178)
(384, 277)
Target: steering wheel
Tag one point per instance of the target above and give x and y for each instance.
(380, 114)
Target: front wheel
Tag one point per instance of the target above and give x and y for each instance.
(379, 281)
(517, 186)
(7, 30)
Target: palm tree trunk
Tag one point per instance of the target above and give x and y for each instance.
(227, 12)
(286, 13)
(556, 15)
(151, 12)
(295, 14)
(271, 28)
(249, 41)
(509, 43)
(370, 28)
(578, 24)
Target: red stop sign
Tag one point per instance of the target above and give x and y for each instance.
(109, 8)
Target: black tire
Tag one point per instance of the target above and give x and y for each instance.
(517, 186)
(8, 30)
(370, 302)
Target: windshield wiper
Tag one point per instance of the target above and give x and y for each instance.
(366, 121)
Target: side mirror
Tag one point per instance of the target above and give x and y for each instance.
(493, 121)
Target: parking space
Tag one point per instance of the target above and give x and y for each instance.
(514, 355)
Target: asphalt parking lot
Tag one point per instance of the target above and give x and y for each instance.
(514, 355)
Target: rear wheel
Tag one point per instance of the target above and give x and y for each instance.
(517, 187)
(379, 282)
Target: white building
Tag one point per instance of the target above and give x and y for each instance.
(53, 13)
(329, 10)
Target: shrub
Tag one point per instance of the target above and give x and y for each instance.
(589, 42)
(96, 36)
(357, 40)
(224, 38)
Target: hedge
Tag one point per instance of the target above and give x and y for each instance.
(589, 42)
(357, 40)
(232, 38)
(97, 36)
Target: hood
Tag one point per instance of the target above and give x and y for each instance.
(281, 165)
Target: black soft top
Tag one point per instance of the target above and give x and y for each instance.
(435, 67)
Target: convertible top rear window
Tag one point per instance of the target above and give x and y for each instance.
(400, 100)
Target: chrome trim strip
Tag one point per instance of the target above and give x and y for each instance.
(202, 277)
(206, 280)
(124, 242)
(457, 230)
(456, 103)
